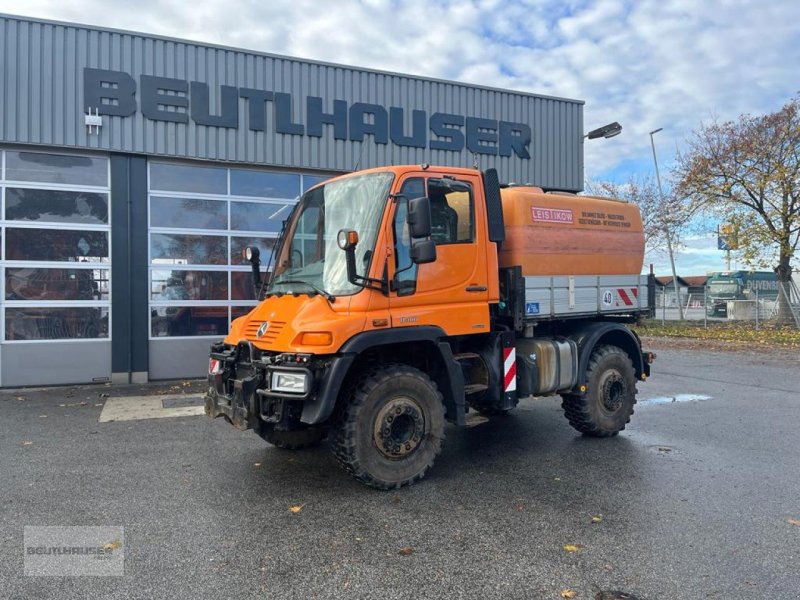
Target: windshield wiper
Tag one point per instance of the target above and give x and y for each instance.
(329, 297)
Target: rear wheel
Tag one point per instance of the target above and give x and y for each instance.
(391, 428)
(297, 439)
(607, 405)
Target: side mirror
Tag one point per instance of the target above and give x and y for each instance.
(422, 251)
(419, 217)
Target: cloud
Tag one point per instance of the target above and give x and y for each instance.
(646, 64)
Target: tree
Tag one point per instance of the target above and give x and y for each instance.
(658, 215)
(747, 172)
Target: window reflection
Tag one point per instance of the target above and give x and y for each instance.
(175, 321)
(56, 245)
(56, 323)
(310, 181)
(188, 213)
(188, 178)
(56, 168)
(238, 244)
(264, 184)
(56, 206)
(177, 249)
(259, 216)
(171, 285)
(240, 311)
(56, 284)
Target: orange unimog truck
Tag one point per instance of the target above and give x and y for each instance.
(402, 297)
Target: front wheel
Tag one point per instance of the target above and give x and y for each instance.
(391, 428)
(607, 405)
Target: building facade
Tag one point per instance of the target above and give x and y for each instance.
(134, 169)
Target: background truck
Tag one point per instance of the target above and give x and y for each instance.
(402, 297)
(738, 285)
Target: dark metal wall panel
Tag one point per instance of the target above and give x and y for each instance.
(41, 102)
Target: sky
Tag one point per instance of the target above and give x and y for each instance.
(647, 64)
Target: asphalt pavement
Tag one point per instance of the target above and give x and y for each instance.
(696, 499)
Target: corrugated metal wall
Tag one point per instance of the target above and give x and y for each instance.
(41, 102)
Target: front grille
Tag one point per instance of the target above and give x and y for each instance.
(272, 333)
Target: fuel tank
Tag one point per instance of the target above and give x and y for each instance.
(565, 234)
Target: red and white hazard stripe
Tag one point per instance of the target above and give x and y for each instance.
(510, 369)
(623, 294)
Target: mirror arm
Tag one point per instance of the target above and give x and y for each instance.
(365, 282)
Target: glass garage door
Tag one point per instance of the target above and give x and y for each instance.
(200, 219)
(55, 268)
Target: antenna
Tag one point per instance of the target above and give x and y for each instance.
(360, 154)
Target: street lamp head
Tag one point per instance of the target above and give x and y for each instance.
(606, 131)
(656, 130)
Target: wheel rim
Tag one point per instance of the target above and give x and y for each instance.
(399, 428)
(613, 390)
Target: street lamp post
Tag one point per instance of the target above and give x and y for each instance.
(666, 228)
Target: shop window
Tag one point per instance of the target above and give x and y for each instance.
(188, 178)
(56, 206)
(188, 213)
(27, 324)
(56, 245)
(56, 284)
(263, 184)
(199, 280)
(55, 210)
(188, 285)
(180, 321)
(259, 216)
(39, 167)
(180, 249)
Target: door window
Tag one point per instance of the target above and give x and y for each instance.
(405, 280)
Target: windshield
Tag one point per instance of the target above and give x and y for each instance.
(309, 256)
(723, 289)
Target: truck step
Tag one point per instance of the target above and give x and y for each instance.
(466, 356)
(475, 388)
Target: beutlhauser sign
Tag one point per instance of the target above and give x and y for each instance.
(116, 93)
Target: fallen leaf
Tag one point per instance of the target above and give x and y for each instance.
(572, 548)
(26, 443)
(113, 545)
(256, 464)
(62, 404)
(597, 518)
(185, 481)
(568, 593)
(793, 522)
(104, 395)
(42, 416)
(407, 551)
(296, 508)
(21, 398)
(99, 404)
(519, 507)
(557, 478)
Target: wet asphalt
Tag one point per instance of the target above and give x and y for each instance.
(694, 500)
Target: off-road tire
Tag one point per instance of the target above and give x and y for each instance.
(607, 405)
(360, 436)
(299, 439)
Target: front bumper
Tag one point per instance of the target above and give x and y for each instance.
(241, 392)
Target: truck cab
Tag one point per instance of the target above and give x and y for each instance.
(386, 313)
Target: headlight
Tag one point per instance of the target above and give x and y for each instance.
(292, 382)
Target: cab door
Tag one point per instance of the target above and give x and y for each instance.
(451, 292)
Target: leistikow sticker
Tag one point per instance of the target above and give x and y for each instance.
(95, 551)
